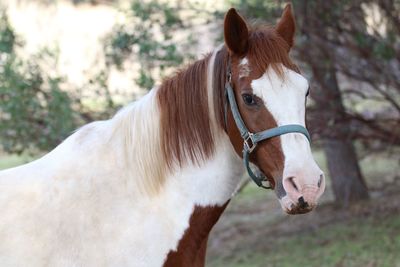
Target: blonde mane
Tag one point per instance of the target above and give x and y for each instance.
(138, 126)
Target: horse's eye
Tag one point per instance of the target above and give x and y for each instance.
(249, 99)
(308, 91)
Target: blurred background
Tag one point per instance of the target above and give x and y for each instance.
(64, 63)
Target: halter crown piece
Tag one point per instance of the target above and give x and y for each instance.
(250, 140)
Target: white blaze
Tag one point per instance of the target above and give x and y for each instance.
(284, 97)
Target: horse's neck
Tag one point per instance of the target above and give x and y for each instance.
(199, 195)
(193, 197)
(191, 250)
(190, 198)
(204, 191)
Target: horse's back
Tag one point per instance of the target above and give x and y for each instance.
(21, 199)
(79, 206)
(47, 213)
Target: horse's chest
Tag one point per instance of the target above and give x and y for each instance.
(192, 246)
(146, 234)
(175, 239)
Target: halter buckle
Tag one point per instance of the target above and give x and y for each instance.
(249, 146)
(229, 77)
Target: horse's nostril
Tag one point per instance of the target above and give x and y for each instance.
(291, 180)
(321, 177)
(302, 203)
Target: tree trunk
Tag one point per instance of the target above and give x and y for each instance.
(347, 181)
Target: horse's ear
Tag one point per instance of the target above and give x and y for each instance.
(236, 33)
(286, 26)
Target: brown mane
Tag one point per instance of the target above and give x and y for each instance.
(186, 132)
(185, 123)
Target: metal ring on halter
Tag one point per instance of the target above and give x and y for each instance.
(249, 146)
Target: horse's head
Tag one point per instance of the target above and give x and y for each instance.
(270, 92)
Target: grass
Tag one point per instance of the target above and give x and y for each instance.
(370, 242)
(9, 161)
(358, 241)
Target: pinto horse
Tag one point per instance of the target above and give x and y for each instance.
(145, 187)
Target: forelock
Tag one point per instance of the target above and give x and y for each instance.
(267, 48)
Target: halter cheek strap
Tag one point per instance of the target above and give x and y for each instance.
(250, 140)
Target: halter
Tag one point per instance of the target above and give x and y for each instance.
(250, 140)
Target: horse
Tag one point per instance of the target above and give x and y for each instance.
(146, 187)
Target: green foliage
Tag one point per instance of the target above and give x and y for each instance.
(383, 50)
(35, 113)
(149, 39)
(100, 104)
(7, 35)
(258, 9)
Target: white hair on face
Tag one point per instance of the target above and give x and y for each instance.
(284, 97)
(244, 68)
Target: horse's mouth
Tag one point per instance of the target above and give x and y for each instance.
(292, 208)
(299, 210)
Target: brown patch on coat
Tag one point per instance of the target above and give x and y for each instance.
(192, 247)
(185, 124)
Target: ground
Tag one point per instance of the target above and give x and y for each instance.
(254, 232)
(257, 234)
